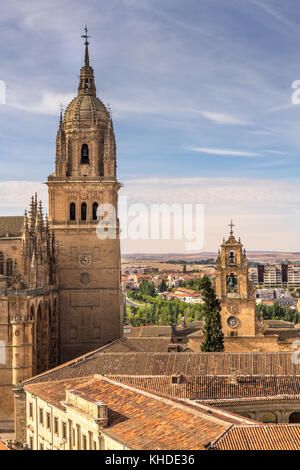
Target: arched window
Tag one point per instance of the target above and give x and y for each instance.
(72, 211)
(1, 263)
(269, 417)
(85, 154)
(231, 257)
(95, 208)
(83, 211)
(9, 267)
(294, 417)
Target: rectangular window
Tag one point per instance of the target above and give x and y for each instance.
(30, 410)
(56, 425)
(31, 442)
(64, 430)
(48, 421)
(41, 417)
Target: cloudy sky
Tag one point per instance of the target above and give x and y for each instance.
(201, 95)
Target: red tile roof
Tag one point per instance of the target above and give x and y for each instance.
(260, 437)
(141, 420)
(3, 446)
(217, 389)
(155, 363)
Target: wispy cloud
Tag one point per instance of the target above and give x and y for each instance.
(222, 118)
(225, 152)
(274, 13)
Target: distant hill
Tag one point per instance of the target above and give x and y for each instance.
(258, 256)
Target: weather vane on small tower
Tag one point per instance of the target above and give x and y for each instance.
(231, 225)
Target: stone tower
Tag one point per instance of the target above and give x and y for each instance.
(234, 289)
(84, 180)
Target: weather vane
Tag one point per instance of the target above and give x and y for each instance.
(231, 225)
(85, 36)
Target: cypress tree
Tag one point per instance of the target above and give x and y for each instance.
(213, 335)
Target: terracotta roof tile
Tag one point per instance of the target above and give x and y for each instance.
(217, 389)
(155, 363)
(261, 437)
(3, 446)
(166, 424)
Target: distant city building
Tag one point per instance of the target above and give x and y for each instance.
(275, 275)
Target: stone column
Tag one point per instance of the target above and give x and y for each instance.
(20, 413)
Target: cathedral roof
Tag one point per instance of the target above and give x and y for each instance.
(11, 226)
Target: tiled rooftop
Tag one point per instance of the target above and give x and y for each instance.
(188, 364)
(166, 424)
(3, 446)
(217, 387)
(138, 344)
(261, 437)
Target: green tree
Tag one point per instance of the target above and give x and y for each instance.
(162, 286)
(147, 288)
(213, 334)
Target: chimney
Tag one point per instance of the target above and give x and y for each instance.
(233, 377)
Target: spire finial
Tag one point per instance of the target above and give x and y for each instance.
(231, 225)
(86, 43)
(61, 109)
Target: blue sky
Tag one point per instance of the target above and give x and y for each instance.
(200, 92)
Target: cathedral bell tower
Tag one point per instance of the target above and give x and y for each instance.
(84, 179)
(234, 289)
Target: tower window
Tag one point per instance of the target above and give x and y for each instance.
(85, 154)
(72, 211)
(95, 208)
(83, 211)
(9, 267)
(231, 257)
(1, 263)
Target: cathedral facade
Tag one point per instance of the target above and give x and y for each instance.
(29, 302)
(60, 283)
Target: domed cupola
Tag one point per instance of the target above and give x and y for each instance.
(86, 106)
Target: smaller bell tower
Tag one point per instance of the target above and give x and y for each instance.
(234, 289)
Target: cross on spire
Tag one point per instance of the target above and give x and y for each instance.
(86, 43)
(85, 36)
(231, 225)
